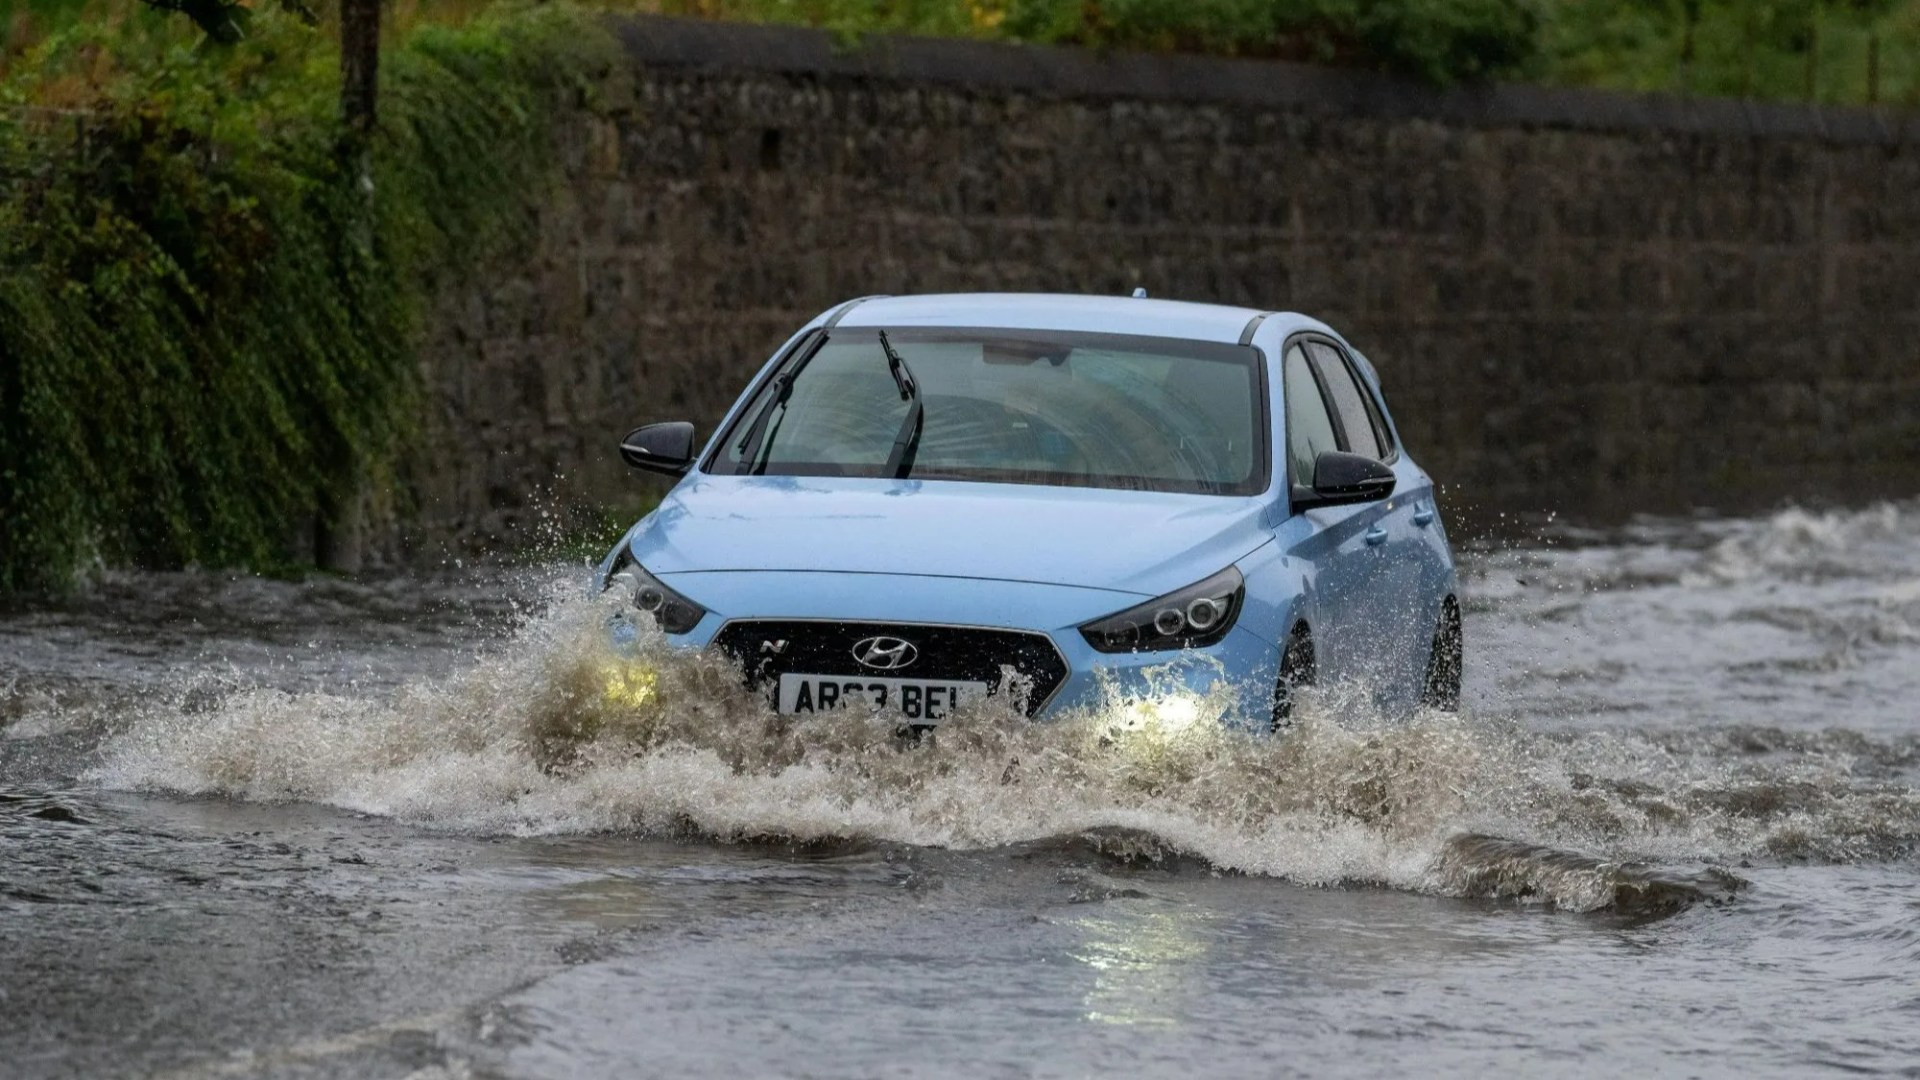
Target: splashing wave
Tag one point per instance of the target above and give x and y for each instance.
(558, 733)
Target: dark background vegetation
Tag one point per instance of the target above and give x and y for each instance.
(1849, 51)
(209, 304)
(1825, 50)
(207, 311)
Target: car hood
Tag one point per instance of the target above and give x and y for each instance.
(1146, 543)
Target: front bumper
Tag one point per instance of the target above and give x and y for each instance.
(1235, 676)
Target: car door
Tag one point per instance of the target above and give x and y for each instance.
(1422, 564)
(1340, 544)
(1388, 613)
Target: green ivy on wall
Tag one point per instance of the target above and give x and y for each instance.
(206, 326)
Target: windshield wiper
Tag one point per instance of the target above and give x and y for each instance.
(760, 435)
(900, 462)
(756, 446)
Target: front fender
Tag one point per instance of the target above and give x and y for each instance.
(1281, 592)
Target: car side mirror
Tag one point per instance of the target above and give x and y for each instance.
(662, 448)
(1342, 479)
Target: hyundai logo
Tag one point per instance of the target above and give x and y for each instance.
(885, 653)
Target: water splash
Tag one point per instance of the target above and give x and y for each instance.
(555, 732)
(1805, 545)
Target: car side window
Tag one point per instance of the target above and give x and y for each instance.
(1309, 427)
(1381, 431)
(1349, 401)
(1376, 405)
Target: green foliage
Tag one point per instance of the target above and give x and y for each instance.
(1846, 51)
(1450, 40)
(1438, 40)
(223, 21)
(1827, 50)
(206, 323)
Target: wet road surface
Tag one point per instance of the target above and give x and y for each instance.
(427, 827)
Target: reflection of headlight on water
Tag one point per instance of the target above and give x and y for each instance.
(630, 685)
(1164, 715)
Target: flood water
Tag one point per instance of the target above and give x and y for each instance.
(430, 827)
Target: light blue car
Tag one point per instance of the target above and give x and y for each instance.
(1072, 501)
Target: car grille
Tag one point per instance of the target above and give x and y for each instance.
(956, 653)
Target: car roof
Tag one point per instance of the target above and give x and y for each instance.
(1050, 311)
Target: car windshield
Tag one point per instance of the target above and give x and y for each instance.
(1011, 406)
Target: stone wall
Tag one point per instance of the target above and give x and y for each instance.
(1581, 302)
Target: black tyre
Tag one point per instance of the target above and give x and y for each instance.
(1297, 669)
(1444, 664)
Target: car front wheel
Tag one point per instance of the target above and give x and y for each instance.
(1297, 669)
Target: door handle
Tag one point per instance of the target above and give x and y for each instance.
(1376, 536)
(1423, 515)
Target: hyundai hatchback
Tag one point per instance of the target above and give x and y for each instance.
(1066, 501)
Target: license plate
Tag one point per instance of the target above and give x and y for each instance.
(914, 699)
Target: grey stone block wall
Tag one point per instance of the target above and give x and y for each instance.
(1578, 302)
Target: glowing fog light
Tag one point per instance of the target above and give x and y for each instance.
(630, 686)
(1164, 715)
(1177, 714)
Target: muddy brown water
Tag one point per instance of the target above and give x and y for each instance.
(428, 826)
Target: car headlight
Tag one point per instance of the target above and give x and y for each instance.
(675, 613)
(1189, 618)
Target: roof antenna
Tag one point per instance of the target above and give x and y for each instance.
(1139, 292)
